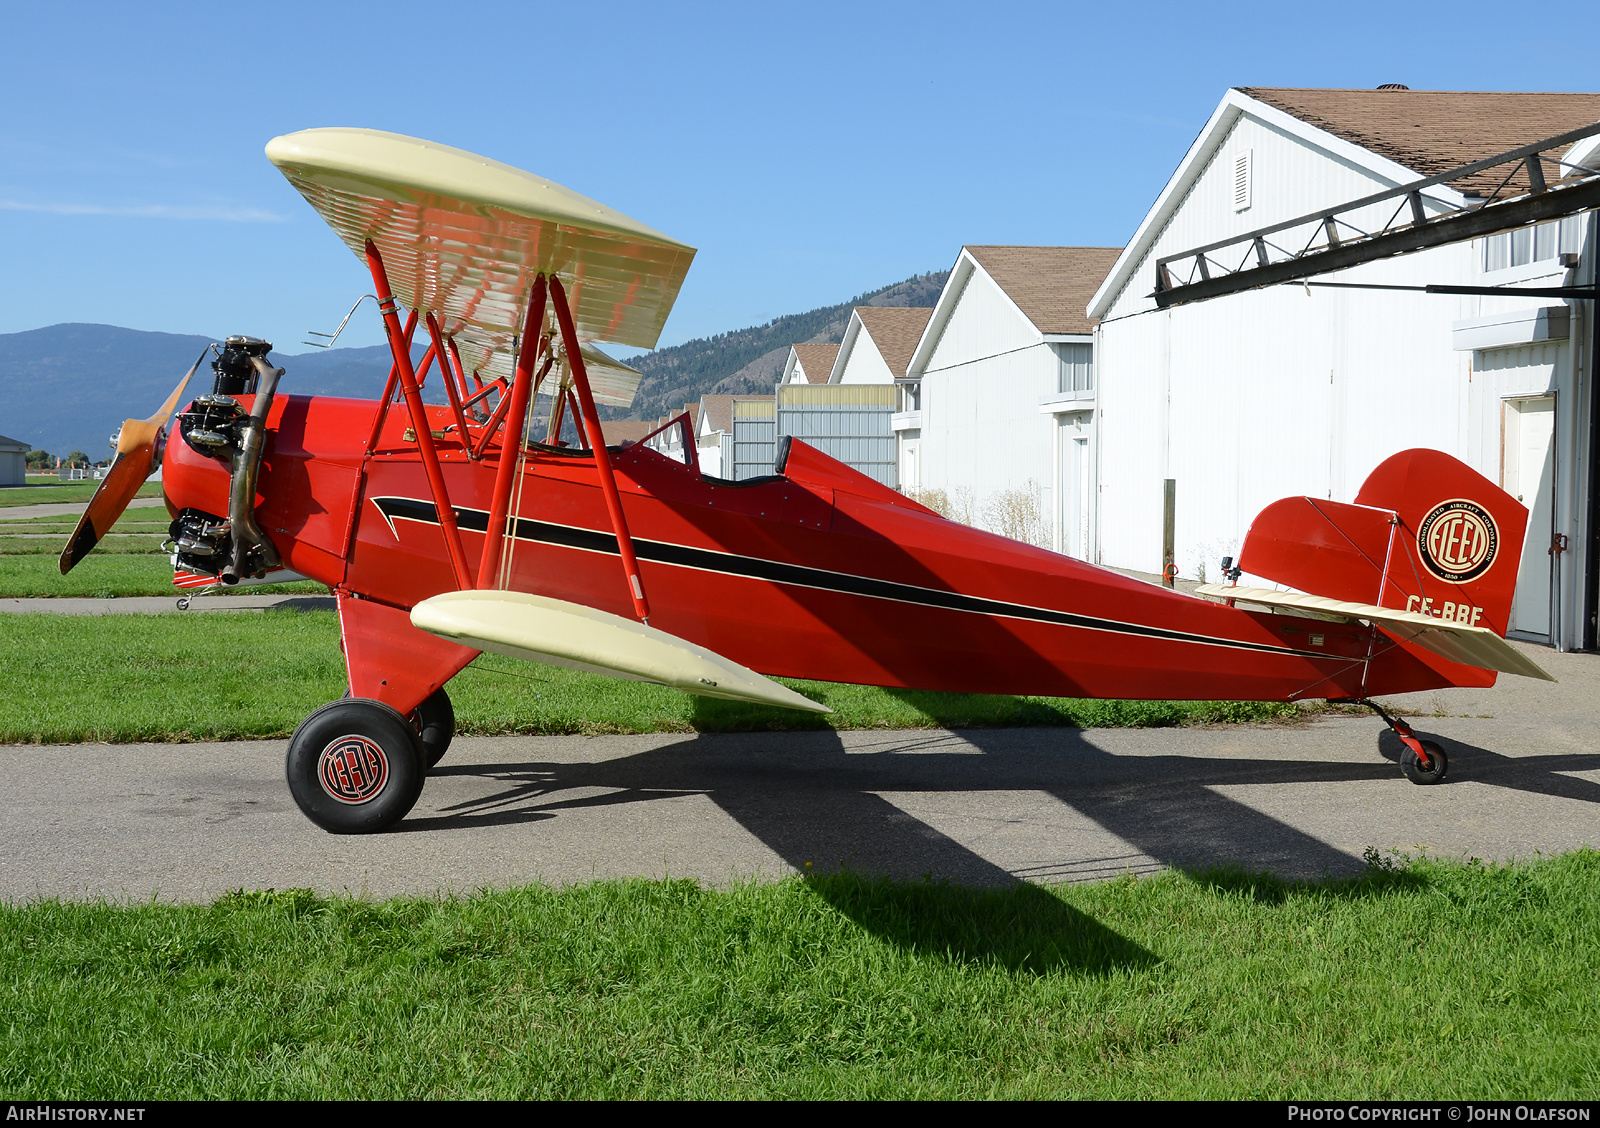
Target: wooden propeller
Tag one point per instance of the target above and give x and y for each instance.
(135, 458)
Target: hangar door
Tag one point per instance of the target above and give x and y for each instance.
(1073, 484)
(1527, 473)
(1517, 384)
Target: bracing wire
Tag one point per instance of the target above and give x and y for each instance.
(503, 581)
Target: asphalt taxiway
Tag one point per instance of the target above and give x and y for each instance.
(190, 821)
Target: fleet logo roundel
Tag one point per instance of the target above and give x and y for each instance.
(1458, 540)
(353, 769)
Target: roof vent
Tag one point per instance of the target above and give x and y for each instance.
(1394, 86)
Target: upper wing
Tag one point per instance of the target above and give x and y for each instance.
(1471, 646)
(464, 236)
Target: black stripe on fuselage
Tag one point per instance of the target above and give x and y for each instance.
(799, 575)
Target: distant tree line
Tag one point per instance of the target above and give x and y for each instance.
(40, 460)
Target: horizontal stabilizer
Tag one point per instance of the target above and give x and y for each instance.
(558, 633)
(1470, 646)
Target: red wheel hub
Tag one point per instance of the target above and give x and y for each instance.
(353, 769)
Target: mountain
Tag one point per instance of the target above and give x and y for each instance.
(751, 360)
(69, 387)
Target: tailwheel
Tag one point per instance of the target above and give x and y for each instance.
(435, 722)
(1422, 760)
(355, 766)
(1418, 772)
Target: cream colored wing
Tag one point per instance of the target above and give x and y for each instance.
(464, 236)
(559, 633)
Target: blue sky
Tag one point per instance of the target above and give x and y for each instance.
(809, 151)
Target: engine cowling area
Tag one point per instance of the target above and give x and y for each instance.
(304, 491)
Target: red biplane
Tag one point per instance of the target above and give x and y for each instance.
(446, 530)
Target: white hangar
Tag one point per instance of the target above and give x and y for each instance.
(998, 397)
(1296, 389)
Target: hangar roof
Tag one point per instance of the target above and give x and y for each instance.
(1434, 131)
(816, 361)
(716, 411)
(625, 430)
(1051, 285)
(896, 331)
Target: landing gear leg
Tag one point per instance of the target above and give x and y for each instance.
(435, 722)
(1422, 761)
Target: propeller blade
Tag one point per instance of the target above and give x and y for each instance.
(165, 412)
(128, 471)
(136, 453)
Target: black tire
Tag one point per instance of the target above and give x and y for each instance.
(355, 766)
(1412, 767)
(435, 722)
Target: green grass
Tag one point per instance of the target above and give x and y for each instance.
(44, 527)
(140, 518)
(128, 562)
(1422, 980)
(135, 533)
(133, 520)
(115, 544)
(48, 491)
(104, 574)
(250, 674)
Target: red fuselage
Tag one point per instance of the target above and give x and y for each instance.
(816, 573)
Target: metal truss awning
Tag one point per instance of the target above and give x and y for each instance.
(1332, 239)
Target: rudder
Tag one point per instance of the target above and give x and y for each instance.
(1427, 533)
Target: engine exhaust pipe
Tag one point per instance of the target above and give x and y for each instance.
(248, 539)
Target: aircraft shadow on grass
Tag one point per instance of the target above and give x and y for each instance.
(821, 809)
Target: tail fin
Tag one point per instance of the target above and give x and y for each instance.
(1427, 533)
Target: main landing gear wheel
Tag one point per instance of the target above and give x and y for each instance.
(435, 722)
(1411, 764)
(355, 766)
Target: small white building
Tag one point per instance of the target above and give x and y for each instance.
(845, 409)
(809, 363)
(877, 347)
(998, 397)
(669, 440)
(714, 435)
(13, 462)
(1293, 390)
